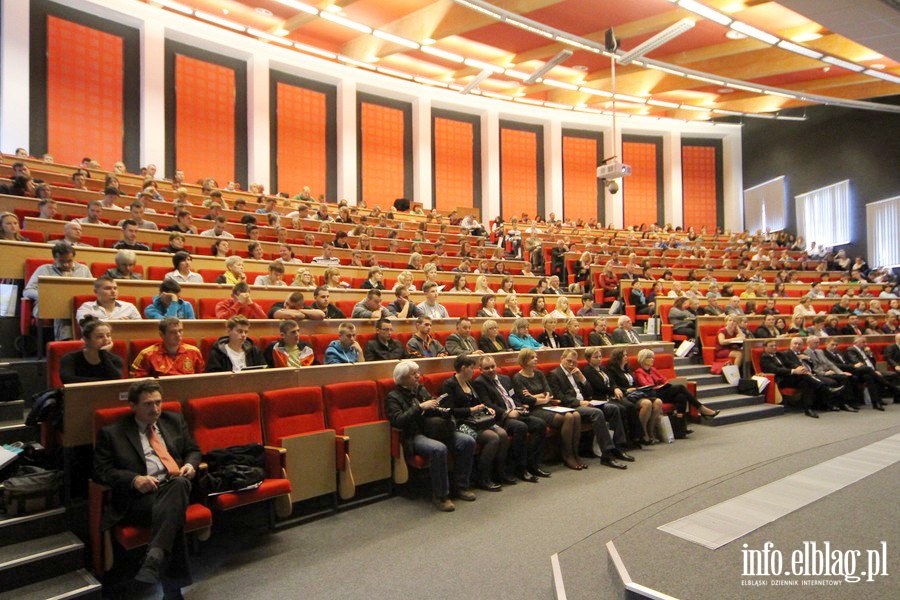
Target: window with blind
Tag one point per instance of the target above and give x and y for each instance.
(883, 229)
(823, 215)
(764, 206)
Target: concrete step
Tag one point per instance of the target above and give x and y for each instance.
(746, 413)
(35, 560)
(691, 370)
(12, 411)
(714, 389)
(704, 379)
(17, 431)
(14, 530)
(68, 586)
(729, 401)
(685, 361)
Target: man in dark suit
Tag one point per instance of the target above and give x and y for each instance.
(569, 385)
(148, 458)
(852, 326)
(790, 371)
(526, 432)
(830, 373)
(865, 370)
(624, 333)
(767, 329)
(892, 355)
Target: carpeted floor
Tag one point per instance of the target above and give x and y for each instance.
(500, 545)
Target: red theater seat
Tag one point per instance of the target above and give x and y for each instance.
(198, 518)
(353, 410)
(56, 350)
(234, 420)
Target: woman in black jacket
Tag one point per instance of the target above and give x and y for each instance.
(491, 341)
(235, 351)
(94, 362)
(638, 414)
(649, 409)
(549, 338)
(464, 403)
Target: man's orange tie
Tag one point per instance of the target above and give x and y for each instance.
(160, 448)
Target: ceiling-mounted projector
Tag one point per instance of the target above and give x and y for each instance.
(613, 170)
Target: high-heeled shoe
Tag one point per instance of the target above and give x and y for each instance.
(712, 416)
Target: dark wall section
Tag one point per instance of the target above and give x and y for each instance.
(833, 144)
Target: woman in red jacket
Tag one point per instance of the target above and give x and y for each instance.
(609, 283)
(647, 374)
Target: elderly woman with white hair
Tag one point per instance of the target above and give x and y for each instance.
(428, 429)
(124, 269)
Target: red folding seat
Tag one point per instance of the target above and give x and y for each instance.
(234, 420)
(353, 410)
(56, 350)
(198, 518)
(294, 419)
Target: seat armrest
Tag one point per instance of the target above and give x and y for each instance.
(395, 443)
(341, 448)
(98, 497)
(770, 389)
(275, 461)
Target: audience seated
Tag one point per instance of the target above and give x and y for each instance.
(683, 321)
(639, 415)
(240, 303)
(107, 306)
(791, 372)
(181, 260)
(624, 333)
(374, 279)
(171, 356)
(129, 237)
(730, 341)
(9, 228)
(369, 307)
(63, 265)
(94, 362)
(832, 375)
(275, 276)
(488, 308)
(491, 341)
(345, 349)
(294, 308)
(169, 303)
(321, 302)
(461, 341)
(402, 307)
(511, 306)
(383, 346)
(235, 351)
(598, 335)
(865, 370)
(234, 271)
(520, 338)
(671, 393)
(290, 350)
(124, 269)
(422, 344)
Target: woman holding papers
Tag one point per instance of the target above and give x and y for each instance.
(640, 414)
(647, 375)
(531, 385)
(730, 341)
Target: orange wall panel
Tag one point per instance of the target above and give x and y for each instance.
(382, 154)
(204, 117)
(640, 188)
(84, 93)
(302, 139)
(518, 173)
(453, 163)
(580, 181)
(699, 186)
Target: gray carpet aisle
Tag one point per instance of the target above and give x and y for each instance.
(500, 545)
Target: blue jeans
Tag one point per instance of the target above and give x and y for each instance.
(436, 452)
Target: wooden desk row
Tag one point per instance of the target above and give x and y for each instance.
(83, 399)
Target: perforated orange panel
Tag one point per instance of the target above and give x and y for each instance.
(84, 93)
(302, 141)
(518, 172)
(381, 131)
(639, 189)
(580, 182)
(453, 167)
(204, 117)
(699, 186)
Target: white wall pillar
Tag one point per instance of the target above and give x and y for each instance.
(153, 96)
(422, 175)
(346, 141)
(15, 110)
(553, 179)
(673, 205)
(733, 182)
(258, 139)
(612, 146)
(490, 166)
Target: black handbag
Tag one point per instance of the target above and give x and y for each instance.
(679, 425)
(481, 420)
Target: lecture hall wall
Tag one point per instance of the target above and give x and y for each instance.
(412, 140)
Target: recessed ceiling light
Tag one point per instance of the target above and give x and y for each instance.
(725, 91)
(281, 32)
(264, 11)
(731, 34)
(807, 37)
(428, 42)
(580, 68)
(877, 66)
(225, 11)
(334, 8)
(826, 69)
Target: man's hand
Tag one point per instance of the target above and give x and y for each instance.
(244, 298)
(429, 404)
(145, 484)
(187, 471)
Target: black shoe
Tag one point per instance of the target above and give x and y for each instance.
(879, 407)
(538, 472)
(848, 408)
(621, 455)
(609, 461)
(834, 408)
(811, 413)
(688, 431)
(508, 480)
(712, 416)
(149, 571)
(524, 475)
(634, 445)
(490, 486)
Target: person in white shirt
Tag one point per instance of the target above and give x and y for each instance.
(182, 273)
(218, 230)
(107, 306)
(72, 231)
(327, 257)
(94, 212)
(430, 307)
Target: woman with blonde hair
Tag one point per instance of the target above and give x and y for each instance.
(415, 261)
(332, 278)
(730, 341)
(304, 280)
(511, 306)
(405, 278)
(562, 310)
(481, 285)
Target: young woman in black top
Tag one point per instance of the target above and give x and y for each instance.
(94, 362)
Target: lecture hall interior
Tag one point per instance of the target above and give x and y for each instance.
(450, 299)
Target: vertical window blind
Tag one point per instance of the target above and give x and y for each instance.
(823, 215)
(764, 206)
(883, 229)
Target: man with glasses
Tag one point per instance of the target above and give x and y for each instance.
(345, 349)
(384, 346)
(63, 265)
